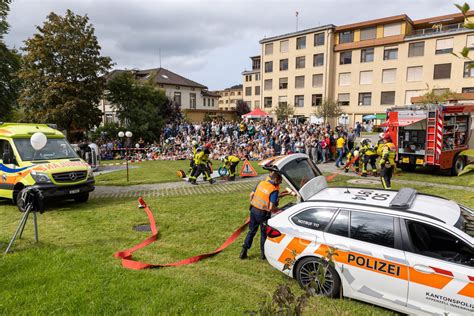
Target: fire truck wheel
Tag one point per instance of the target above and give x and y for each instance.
(458, 165)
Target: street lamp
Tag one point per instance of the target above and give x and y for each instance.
(129, 135)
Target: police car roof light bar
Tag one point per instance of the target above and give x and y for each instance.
(404, 198)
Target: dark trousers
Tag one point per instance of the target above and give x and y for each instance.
(386, 173)
(233, 166)
(201, 168)
(257, 218)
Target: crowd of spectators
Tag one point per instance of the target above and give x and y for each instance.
(254, 140)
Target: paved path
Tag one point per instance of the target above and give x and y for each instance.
(221, 186)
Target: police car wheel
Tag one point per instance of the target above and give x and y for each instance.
(318, 277)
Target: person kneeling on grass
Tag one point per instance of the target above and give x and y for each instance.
(231, 162)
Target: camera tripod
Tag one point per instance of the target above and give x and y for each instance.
(21, 226)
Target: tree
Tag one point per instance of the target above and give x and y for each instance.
(62, 73)
(284, 111)
(469, 25)
(433, 97)
(241, 108)
(9, 65)
(141, 107)
(328, 109)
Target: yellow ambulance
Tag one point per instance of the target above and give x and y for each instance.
(39, 155)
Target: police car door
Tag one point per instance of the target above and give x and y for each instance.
(441, 269)
(371, 267)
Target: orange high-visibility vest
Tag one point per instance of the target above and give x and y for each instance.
(261, 196)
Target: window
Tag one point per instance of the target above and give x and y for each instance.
(345, 58)
(444, 46)
(269, 66)
(257, 103)
(367, 55)
(345, 79)
(340, 225)
(416, 49)
(269, 49)
(414, 73)
(365, 98)
(177, 98)
(283, 83)
(212, 102)
(470, 42)
(208, 102)
(346, 37)
(239, 92)
(267, 84)
(343, 99)
(256, 63)
(257, 77)
(267, 102)
(315, 218)
(469, 69)
(368, 33)
(249, 103)
(316, 99)
(318, 60)
(248, 91)
(232, 93)
(283, 64)
(436, 243)
(439, 92)
(283, 100)
(442, 71)
(257, 90)
(284, 46)
(372, 228)
(299, 101)
(319, 39)
(468, 90)
(5, 145)
(392, 29)
(365, 77)
(389, 75)
(299, 82)
(247, 78)
(317, 80)
(299, 172)
(301, 42)
(300, 62)
(390, 53)
(410, 94)
(177, 87)
(192, 100)
(387, 98)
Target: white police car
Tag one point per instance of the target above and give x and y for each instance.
(406, 251)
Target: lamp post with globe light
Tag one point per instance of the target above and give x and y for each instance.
(129, 135)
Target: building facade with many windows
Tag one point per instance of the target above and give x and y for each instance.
(366, 67)
(228, 97)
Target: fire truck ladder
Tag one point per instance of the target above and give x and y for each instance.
(433, 131)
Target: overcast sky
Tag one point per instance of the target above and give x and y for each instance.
(208, 41)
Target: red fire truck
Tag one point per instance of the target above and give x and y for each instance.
(431, 135)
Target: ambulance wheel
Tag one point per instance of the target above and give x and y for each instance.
(82, 198)
(458, 165)
(318, 277)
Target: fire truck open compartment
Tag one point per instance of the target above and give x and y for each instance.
(412, 138)
(455, 129)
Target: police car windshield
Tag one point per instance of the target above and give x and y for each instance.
(55, 148)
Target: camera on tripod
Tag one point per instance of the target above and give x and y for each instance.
(29, 200)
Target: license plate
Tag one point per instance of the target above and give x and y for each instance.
(74, 191)
(406, 160)
(419, 161)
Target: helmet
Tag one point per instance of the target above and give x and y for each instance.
(356, 153)
(387, 137)
(194, 143)
(364, 141)
(381, 135)
(208, 145)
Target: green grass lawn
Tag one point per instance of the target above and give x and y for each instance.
(428, 175)
(156, 172)
(72, 269)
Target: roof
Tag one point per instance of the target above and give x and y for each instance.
(207, 93)
(22, 130)
(423, 205)
(302, 32)
(386, 20)
(158, 76)
(256, 112)
(442, 18)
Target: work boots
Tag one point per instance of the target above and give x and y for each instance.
(243, 254)
(262, 255)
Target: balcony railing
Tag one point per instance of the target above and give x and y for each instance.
(438, 29)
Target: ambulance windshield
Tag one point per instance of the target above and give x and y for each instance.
(55, 148)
